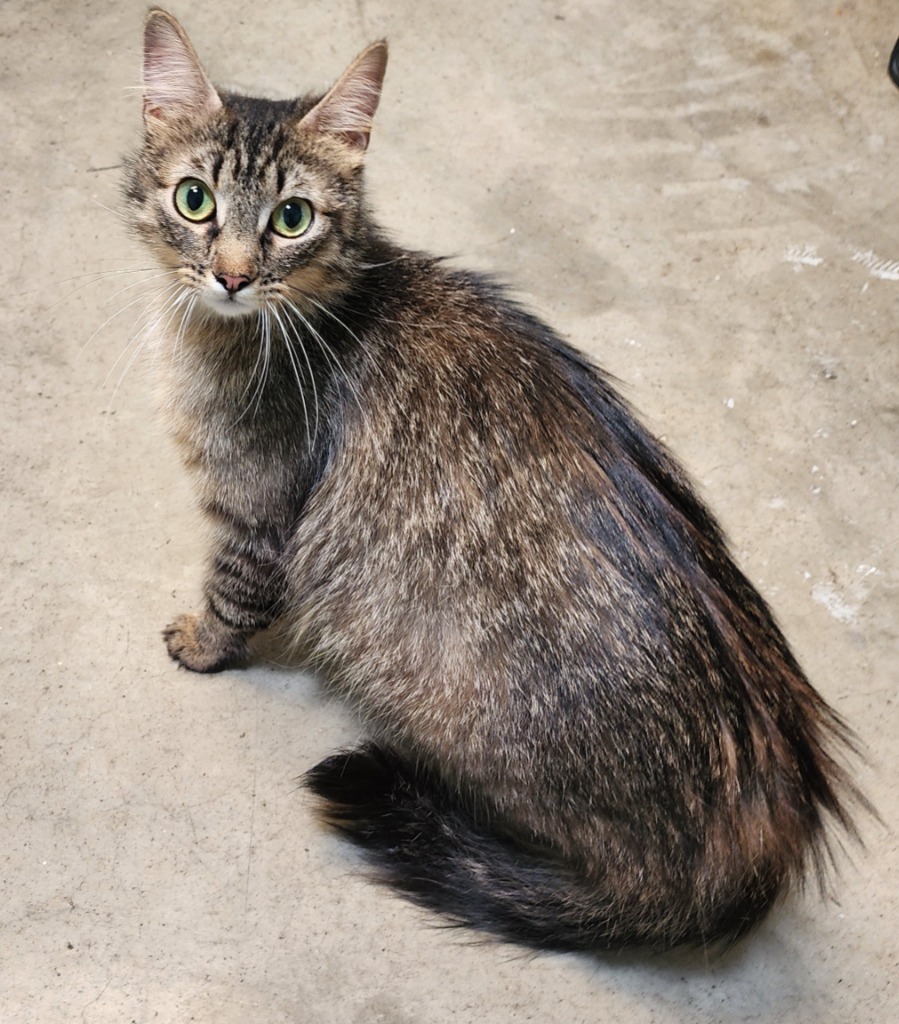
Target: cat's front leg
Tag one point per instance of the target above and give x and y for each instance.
(240, 601)
(202, 643)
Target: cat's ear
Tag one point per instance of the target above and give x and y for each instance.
(175, 84)
(348, 109)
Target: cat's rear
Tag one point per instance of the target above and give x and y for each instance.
(587, 731)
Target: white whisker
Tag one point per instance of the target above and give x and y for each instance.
(294, 329)
(118, 214)
(262, 356)
(141, 335)
(134, 284)
(182, 325)
(327, 350)
(90, 277)
(296, 371)
(109, 320)
(267, 342)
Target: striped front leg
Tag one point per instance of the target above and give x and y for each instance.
(241, 599)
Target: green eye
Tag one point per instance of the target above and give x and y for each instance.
(194, 200)
(292, 218)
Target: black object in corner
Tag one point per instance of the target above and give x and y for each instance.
(894, 64)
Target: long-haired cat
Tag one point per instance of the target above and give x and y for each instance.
(586, 729)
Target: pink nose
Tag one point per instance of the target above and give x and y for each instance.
(232, 282)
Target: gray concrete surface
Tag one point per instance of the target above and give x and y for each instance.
(704, 196)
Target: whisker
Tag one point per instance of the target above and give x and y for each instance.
(134, 284)
(296, 371)
(109, 320)
(262, 355)
(328, 351)
(93, 277)
(267, 342)
(294, 329)
(385, 263)
(330, 313)
(186, 314)
(116, 213)
(141, 336)
(99, 274)
(362, 349)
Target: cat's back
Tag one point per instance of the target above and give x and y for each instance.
(457, 386)
(451, 349)
(489, 470)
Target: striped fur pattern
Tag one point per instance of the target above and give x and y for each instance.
(586, 729)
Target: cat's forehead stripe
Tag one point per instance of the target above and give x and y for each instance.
(248, 152)
(217, 161)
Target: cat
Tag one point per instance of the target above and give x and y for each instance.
(586, 730)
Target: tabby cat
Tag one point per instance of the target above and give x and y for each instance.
(586, 729)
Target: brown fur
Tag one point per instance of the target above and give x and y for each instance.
(590, 731)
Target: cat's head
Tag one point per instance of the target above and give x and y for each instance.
(250, 201)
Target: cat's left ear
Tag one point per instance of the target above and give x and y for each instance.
(175, 84)
(348, 109)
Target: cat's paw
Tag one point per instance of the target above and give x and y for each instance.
(195, 645)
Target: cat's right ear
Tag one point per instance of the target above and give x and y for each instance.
(175, 85)
(347, 110)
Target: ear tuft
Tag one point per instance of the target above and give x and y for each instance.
(175, 84)
(348, 109)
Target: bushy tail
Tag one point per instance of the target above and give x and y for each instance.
(428, 846)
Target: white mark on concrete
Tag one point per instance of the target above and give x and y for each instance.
(829, 365)
(843, 606)
(777, 503)
(792, 183)
(704, 185)
(729, 402)
(883, 270)
(826, 594)
(802, 256)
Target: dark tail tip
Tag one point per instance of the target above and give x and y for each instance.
(368, 796)
(353, 778)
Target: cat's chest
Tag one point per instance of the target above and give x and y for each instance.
(224, 431)
(197, 409)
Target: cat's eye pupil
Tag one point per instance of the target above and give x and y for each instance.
(194, 197)
(292, 215)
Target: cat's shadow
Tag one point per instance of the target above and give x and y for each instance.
(277, 667)
(274, 648)
(764, 975)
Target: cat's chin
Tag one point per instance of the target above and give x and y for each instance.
(229, 306)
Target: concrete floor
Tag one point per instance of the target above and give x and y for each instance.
(705, 196)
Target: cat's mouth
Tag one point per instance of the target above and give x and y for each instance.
(231, 302)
